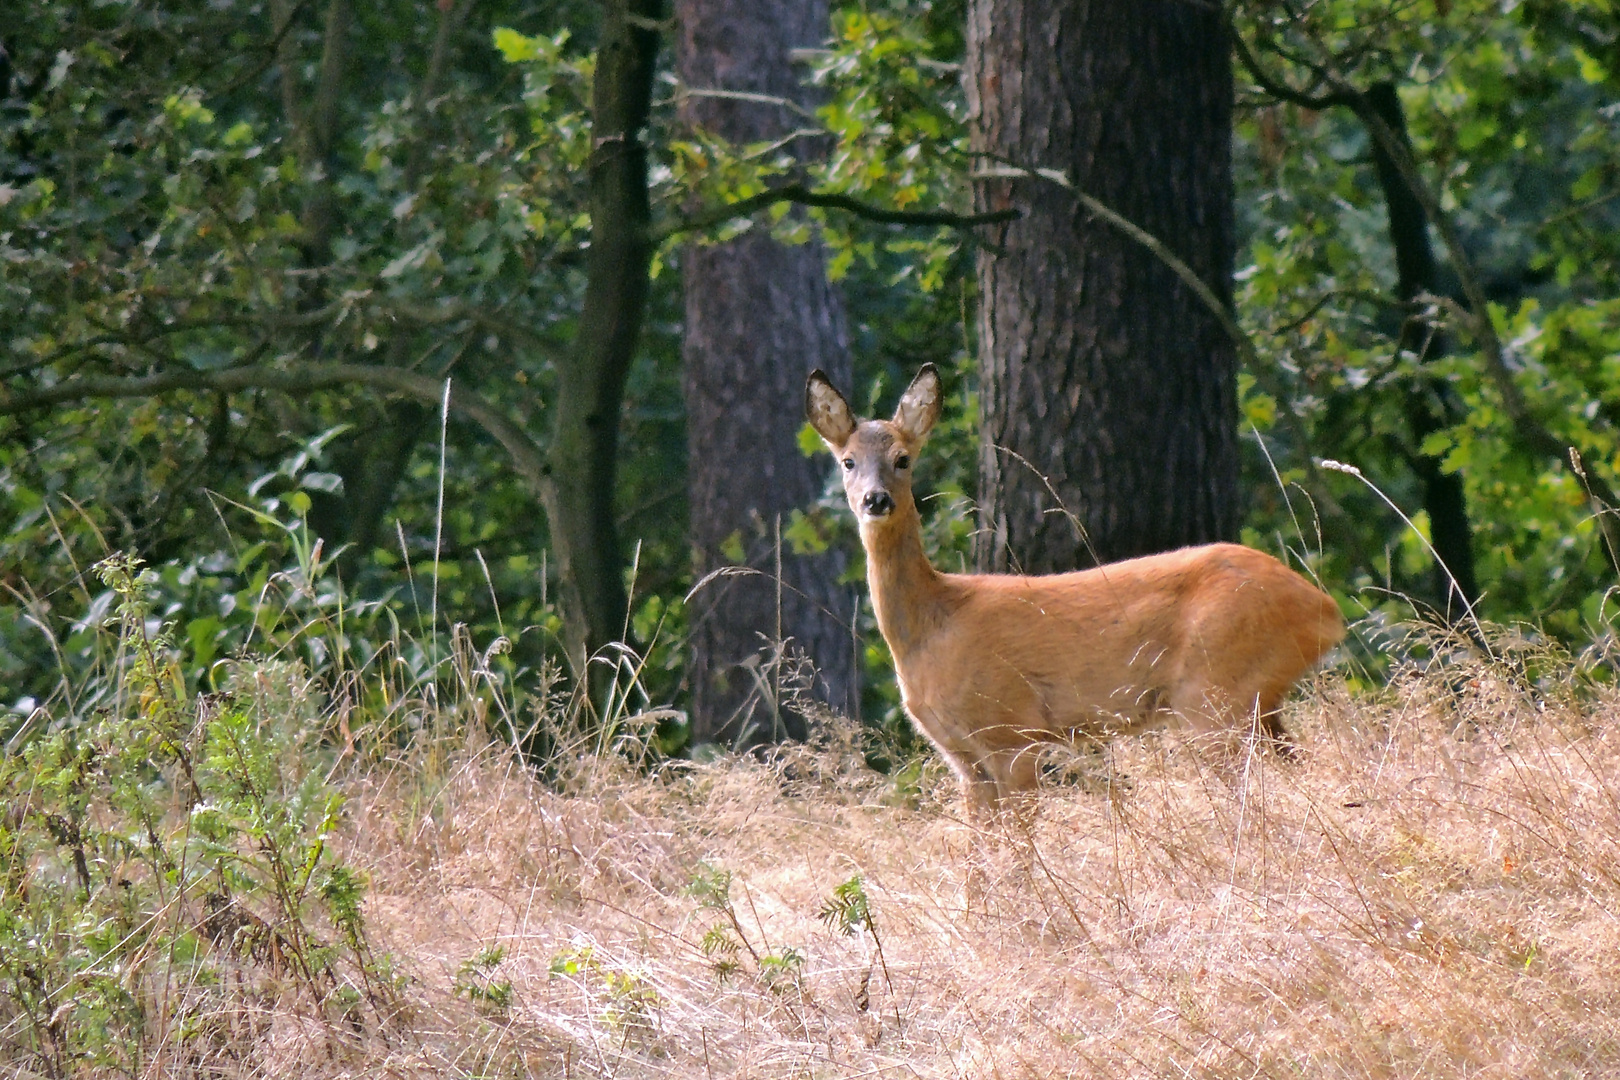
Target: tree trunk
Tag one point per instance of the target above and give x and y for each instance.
(759, 317)
(582, 467)
(1108, 398)
(1432, 405)
(371, 465)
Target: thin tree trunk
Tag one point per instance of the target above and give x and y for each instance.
(372, 465)
(1432, 406)
(759, 317)
(582, 467)
(375, 458)
(1108, 397)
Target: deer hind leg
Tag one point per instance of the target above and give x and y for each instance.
(975, 778)
(1268, 716)
(1206, 708)
(1227, 716)
(995, 780)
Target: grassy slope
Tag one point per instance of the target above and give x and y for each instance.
(1430, 891)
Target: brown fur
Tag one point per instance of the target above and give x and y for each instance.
(992, 666)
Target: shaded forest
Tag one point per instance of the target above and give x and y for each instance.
(495, 314)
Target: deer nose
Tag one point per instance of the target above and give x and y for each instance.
(878, 503)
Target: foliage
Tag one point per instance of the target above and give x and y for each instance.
(476, 980)
(168, 861)
(631, 1001)
(171, 202)
(1510, 117)
(187, 192)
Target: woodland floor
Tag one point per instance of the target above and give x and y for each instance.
(1431, 889)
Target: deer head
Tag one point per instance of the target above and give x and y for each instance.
(876, 456)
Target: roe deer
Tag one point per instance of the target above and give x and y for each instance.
(993, 665)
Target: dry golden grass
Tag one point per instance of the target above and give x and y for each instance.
(1430, 890)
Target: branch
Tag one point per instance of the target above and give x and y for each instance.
(803, 196)
(1223, 315)
(528, 459)
(1476, 316)
(744, 95)
(287, 60)
(1276, 87)
(329, 81)
(417, 315)
(272, 51)
(422, 101)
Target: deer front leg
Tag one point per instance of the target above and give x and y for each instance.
(1017, 773)
(976, 779)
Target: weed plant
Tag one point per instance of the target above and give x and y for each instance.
(168, 872)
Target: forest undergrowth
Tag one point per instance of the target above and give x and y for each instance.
(294, 877)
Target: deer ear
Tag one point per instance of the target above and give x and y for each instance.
(827, 410)
(919, 405)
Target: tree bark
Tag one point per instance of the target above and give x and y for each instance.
(1431, 406)
(1108, 396)
(371, 465)
(582, 466)
(760, 316)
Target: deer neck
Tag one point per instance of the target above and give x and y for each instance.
(908, 594)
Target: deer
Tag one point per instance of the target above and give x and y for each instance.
(993, 668)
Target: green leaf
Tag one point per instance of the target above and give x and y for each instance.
(515, 47)
(810, 443)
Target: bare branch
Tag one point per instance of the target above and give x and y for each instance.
(1276, 87)
(744, 95)
(803, 196)
(528, 458)
(272, 50)
(1223, 315)
(1187, 274)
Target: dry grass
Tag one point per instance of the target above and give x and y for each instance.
(1430, 891)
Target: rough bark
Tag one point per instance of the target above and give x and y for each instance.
(582, 466)
(1108, 398)
(759, 317)
(1431, 406)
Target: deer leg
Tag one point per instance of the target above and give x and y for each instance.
(1269, 713)
(977, 781)
(1017, 772)
(1193, 700)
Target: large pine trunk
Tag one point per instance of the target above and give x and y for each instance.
(760, 316)
(1109, 401)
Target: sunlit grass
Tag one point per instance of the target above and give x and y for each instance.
(1428, 889)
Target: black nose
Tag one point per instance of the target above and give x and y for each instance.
(877, 503)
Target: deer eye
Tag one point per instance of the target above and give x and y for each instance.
(903, 461)
(849, 463)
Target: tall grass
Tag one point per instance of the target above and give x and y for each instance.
(1430, 891)
(173, 896)
(327, 857)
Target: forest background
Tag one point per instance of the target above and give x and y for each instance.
(404, 491)
(244, 249)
